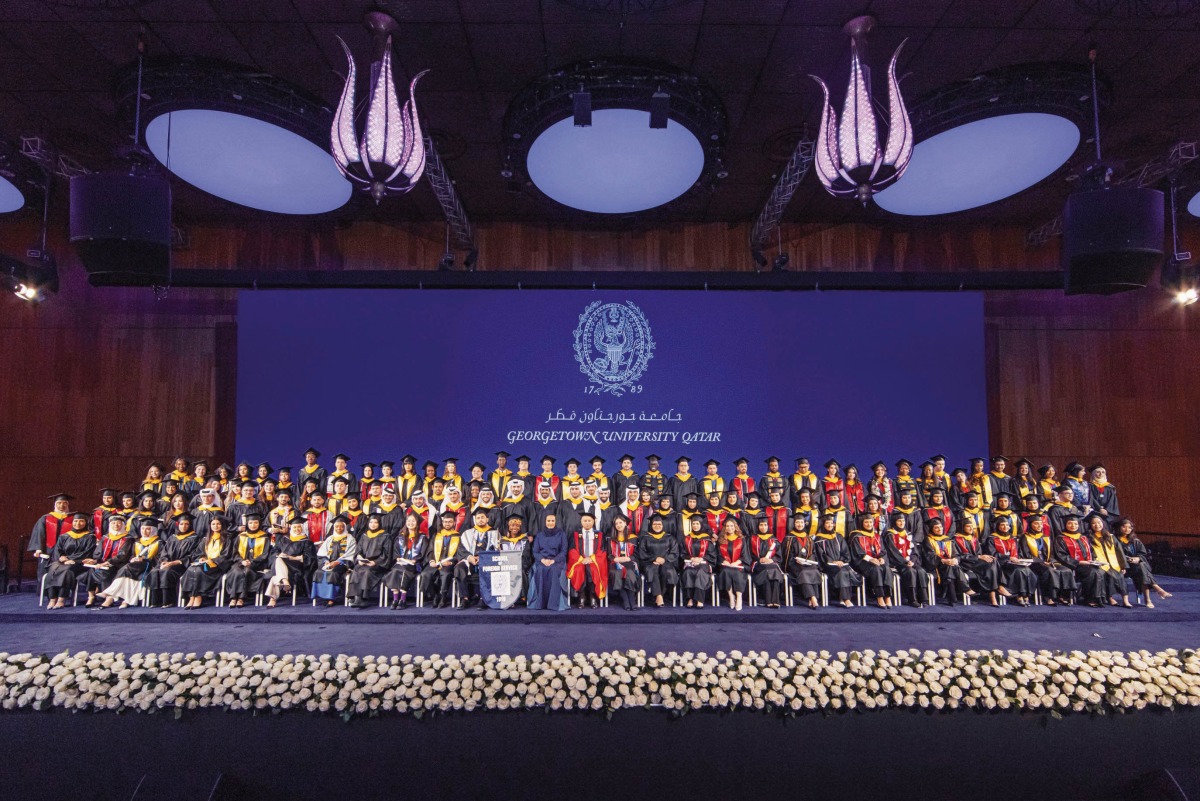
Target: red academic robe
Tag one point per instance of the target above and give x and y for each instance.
(576, 569)
(777, 519)
(318, 524)
(855, 498)
(715, 519)
(744, 486)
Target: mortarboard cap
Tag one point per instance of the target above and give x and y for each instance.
(712, 463)
(625, 456)
(832, 463)
(679, 459)
(903, 463)
(408, 458)
(387, 463)
(429, 463)
(314, 452)
(83, 515)
(505, 454)
(654, 457)
(266, 465)
(999, 458)
(337, 456)
(548, 458)
(572, 461)
(480, 465)
(1095, 467)
(878, 465)
(371, 465)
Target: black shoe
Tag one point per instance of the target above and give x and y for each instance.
(403, 604)
(593, 603)
(395, 603)
(481, 606)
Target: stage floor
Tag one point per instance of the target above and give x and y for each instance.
(1174, 623)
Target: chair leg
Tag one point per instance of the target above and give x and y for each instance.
(42, 590)
(930, 589)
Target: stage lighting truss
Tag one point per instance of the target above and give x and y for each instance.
(616, 85)
(625, 8)
(1050, 91)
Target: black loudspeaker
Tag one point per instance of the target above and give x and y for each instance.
(1112, 239)
(121, 227)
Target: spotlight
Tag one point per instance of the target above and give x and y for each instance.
(29, 282)
(780, 264)
(581, 106)
(1187, 297)
(660, 107)
(447, 262)
(1181, 280)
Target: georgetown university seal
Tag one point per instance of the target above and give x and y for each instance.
(613, 345)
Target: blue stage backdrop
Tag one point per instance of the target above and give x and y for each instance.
(858, 376)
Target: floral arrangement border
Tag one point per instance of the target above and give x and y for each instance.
(1051, 682)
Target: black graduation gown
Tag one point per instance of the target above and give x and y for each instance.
(1054, 579)
(950, 578)
(245, 580)
(805, 577)
(656, 482)
(878, 578)
(365, 579)
(914, 523)
(64, 577)
(843, 524)
(672, 525)
(202, 517)
(1138, 571)
(184, 551)
(1076, 556)
(319, 474)
(735, 575)
(1058, 514)
(298, 572)
(796, 482)
(767, 575)
(677, 487)
(116, 554)
(623, 575)
(200, 578)
(415, 554)
(511, 508)
(982, 521)
(619, 482)
(997, 484)
(1017, 579)
(906, 560)
(780, 482)
(699, 577)
(237, 512)
(1104, 500)
(828, 549)
(442, 547)
(651, 547)
(536, 519)
(985, 573)
(570, 514)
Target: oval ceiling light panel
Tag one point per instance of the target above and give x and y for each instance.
(618, 165)
(980, 163)
(247, 161)
(1193, 206)
(11, 198)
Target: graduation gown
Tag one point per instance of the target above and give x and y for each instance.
(547, 583)
(679, 485)
(539, 509)
(202, 516)
(623, 575)
(914, 522)
(843, 524)
(778, 521)
(878, 578)
(806, 577)
(905, 559)
(993, 484)
(733, 564)
(1017, 579)
(64, 577)
(982, 521)
(578, 572)
(1058, 513)
(114, 553)
(1138, 570)
(1053, 579)
(377, 547)
(242, 579)
(570, 513)
(829, 548)
(985, 573)
(1075, 552)
(351, 482)
(652, 546)
(406, 485)
(766, 572)
(100, 517)
(772, 481)
(298, 572)
(45, 534)
(621, 481)
(443, 547)
(798, 481)
(942, 513)
(952, 578)
(317, 473)
(698, 576)
(511, 507)
(1104, 501)
(327, 578)
(637, 514)
(203, 575)
(744, 486)
(184, 550)
(410, 556)
(498, 481)
(655, 481)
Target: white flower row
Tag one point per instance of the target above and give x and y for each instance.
(793, 683)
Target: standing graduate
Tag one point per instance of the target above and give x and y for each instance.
(1023, 481)
(624, 478)
(487, 502)
(803, 478)
(855, 495)
(742, 484)
(939, 471)
(869, 559)
(623, 575)
(293, 558)
(251, 562)
(371, 564)
(70, 558)
(1017, 578)
(548, 476)
(751, 514)
(905, 559)
(411, 550)
(515, 502)
(881, 487)
(914, 520)
(317, 518)
(1061, 509)
(936, 509)
(996, 482)
(47, 530)
(335, 558)
(430, 475)
(341, 464)
(766, 571)
(807, 511)
(455, 505)
(658, 557)
(832, 481)
(408, 482)
(366, 479)
(246, 503)
(699, 561)
(525, 475)
(1104, 496)
(653, 479)
(778, 516)
(843, 523)
(1047, 482)
(598, 474)
(571, 476)
(548, 580)
(926, 484)
(714, 514)
(176, 554)
(833, 555)
(203, 576)
(974, 511)
(773, 480)
(544, 503)
(154, 479)
(1056, 581)
(312, 470)
(905, 480)
(126, 584)
(1080, 488)
(733, 563)
(941, 558)
(1138, 560)
(960, 487)
(711, 481)
(106, 509)
(444, 554)
(339, 500)
(112, 552)
(670, 519)
(1003, 508)
(681, 483)
(571, 509)
(798, 561)
(284, 484)
(428, 516)
(279, 519)
(587, 562)
(1074, 550)
(498, 478)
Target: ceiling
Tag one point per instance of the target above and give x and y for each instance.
(58, 59)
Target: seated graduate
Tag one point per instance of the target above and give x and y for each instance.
(935, 507)
(204, 572)
(412, 552)
(126, 585)
(798, 560)
(833, 556)
(1138, 559)
(177, 552)
(111, 554)
(982, 568)
(372, 562)
(869, 559)
(587, 561)
(69, 559)
(1111, 559)
(1017, 578)
(904, 557)
(1074, 550)
(251, 561)
(477, 538)
(941, 556)
(733, 561)
(658, 555)
(1061, 509)
(178, 507)
(843, 523)
(766, 569)
(623, 574)
(668, 517)
(809, 514)
(518, 538)
(1056, 581)
(548, 579)
(292, 561)
(751, 513)
(335, 558)
(437, 579)
(699, 559)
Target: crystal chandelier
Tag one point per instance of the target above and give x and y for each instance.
(390, 155)
(848, 157)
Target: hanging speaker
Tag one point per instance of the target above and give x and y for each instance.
(1112, 239)
(121, 227)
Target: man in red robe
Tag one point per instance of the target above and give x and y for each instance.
(587, 561)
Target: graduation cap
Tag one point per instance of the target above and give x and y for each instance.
(906, 490)
(682, 459)
(108, 491)
(429, 463)
(937, 457)
(770, 459)
(524, 458)
(832, 463)
(741, 460)
(479, 465)
(266, 465)
(318, 494)
(342, 479)
(763, 521)
(183, 459)
(171, 482)
(874, 495)
(934, 521)
(800, 459)
(448, 513)
(1008, 495)
(998, 519)
(938, 488)
(572, 461)
(253, 516)
(923, 465)
(285, 469)
(1062, 488)
(549, 459)
(1095, 467)
(1073, 467)
(479, 510)
(314, 452)
(587, 513)
(712, 463)
(973, 492)
(375, 516)
(625, 456)
(371, 465)
(155, 464)
(451, 460)
(1044, 470)
(687, 495)
(999, 458)
(387, 463)
(1072, 516)
(505, 454)
(143, 495)
(340, 519)
(298, 519)
(830, 491)
(517, 513)
(878, 465)
(654, 457)
(408, 458)
(479, 484)
(977, 460)
(342, 456)
(806, 489)
(83, 515)
(1032, 497)
(199, 462)
(224, 466)
(595, 459)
